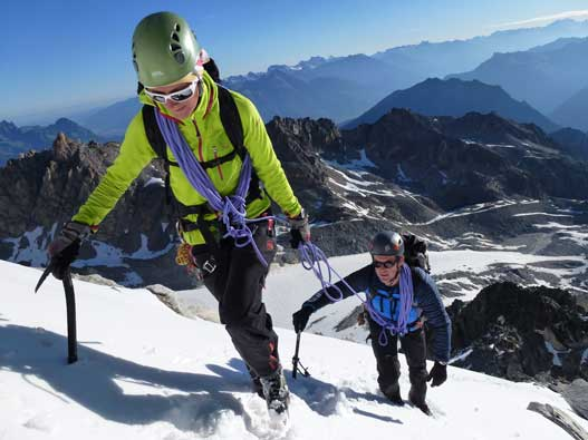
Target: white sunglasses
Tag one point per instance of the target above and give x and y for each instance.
(177, 96)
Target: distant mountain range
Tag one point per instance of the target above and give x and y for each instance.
(574, 142)
(397, 68)
(453, 97)
(545, 77)
(112, 121)
(338, 89)
(443, 58)
(15, 140)
(341, 88)
(574, 111)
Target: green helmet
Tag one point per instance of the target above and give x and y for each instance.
(164, 49)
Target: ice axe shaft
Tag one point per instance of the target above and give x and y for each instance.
(296, 364)
(70, 304)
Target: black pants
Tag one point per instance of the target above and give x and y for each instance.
(237, 283)
(414, 347)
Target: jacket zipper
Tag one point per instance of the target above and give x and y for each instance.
(200, 154)
(218, 167)
(199, 142)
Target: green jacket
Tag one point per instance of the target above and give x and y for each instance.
(204, 133)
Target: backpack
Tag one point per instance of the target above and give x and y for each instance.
(231, 121)
(415, 252)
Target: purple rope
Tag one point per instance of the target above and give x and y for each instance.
(406, 299)
(400, 327)
(233, 214)
(312, 258)
(232, 208)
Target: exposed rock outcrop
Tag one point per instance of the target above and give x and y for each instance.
(534, 333)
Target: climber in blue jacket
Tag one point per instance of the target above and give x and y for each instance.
(399, 300)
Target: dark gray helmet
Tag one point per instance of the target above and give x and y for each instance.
(387, 243)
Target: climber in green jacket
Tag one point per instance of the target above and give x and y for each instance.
(170, 65)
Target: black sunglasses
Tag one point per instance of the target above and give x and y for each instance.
(386, 264)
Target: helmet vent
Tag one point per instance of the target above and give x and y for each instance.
(177, 27)
(179, 57)
(176, 47)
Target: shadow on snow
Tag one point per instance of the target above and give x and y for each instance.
(199, 402)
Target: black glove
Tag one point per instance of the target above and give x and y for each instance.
(299, 229)
(301, 317)
(64, 249)
(438, 374)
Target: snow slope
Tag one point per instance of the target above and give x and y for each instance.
(148, 373)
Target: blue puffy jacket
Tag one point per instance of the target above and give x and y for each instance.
(427, 303)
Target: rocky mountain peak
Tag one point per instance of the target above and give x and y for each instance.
(455, 160)
(303, 137)
(66, 124)
(402, 117)
(397, 129)
(8, 128)
(493, 128)
(454, 97)
(64, 148)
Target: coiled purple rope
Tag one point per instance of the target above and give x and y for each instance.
(233, 215)
(314, 259)
(406, 301)
(232, 208)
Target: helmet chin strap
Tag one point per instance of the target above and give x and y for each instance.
(396, 279)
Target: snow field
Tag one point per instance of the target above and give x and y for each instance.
(147, 373)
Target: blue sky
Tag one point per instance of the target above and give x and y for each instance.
(61, 53)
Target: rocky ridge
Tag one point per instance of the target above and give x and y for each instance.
(522, 334)
(403, 172)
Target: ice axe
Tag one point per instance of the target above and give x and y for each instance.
(70, 303)
(296, 364)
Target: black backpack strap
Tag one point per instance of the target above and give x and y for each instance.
(153, 133)
(158, 144)
(218, 161)
(231, 120)
(233, 126)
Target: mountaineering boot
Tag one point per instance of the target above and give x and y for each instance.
(392, 393)
(275, 390)
(256, 386)
(416, 396)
